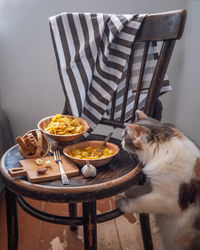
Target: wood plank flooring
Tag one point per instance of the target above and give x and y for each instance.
(122, 233)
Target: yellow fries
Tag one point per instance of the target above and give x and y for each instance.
(91, 153)
(64, 126)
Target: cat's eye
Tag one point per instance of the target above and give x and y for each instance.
(128, 142)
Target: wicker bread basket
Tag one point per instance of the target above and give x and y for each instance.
(42, 145)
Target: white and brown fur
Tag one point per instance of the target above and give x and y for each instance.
(172, 191)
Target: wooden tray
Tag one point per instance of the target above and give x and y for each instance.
(29, 168)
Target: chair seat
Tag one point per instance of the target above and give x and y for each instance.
(111, 179)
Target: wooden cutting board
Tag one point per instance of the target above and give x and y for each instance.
(29, 168)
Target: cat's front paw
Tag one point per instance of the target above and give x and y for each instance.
(123, 205)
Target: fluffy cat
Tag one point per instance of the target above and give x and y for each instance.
(172, 191)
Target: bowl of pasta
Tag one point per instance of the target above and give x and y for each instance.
(90, 151)
(63, 128)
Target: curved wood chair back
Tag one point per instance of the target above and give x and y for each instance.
(164, 28)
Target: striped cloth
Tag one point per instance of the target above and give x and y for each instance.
(92, 54)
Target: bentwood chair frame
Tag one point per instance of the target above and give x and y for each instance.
(166, 27)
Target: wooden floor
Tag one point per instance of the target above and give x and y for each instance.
(122, 233)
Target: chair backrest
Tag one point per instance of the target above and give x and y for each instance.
(164, 28)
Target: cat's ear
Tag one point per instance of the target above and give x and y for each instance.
(140, 115)
(134, 128)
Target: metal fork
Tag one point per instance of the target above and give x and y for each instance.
(57, 159)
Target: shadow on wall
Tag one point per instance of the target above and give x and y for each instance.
(6, 136)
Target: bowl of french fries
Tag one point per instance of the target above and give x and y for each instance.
(63, 128)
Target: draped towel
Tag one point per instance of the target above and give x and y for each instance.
(92, 56)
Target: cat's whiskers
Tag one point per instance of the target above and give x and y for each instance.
(132, 156)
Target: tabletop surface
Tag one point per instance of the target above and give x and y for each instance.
(111, 179)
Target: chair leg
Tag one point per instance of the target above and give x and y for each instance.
(73, 213)
(146, 231)
(90, 225)
(12, 221)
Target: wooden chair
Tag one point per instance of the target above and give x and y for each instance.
(165, 28)
(112, 178)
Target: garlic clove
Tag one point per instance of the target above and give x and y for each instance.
(41, 171)
(39, 161)
(48, 164)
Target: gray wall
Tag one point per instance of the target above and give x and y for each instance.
(182, 106)
(30, 87)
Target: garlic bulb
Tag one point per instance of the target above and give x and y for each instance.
(89, 170)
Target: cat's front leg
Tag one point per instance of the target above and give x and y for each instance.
(148, 203)
(139, 190)
(124, 205)
(134, 192)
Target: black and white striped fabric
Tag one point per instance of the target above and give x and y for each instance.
(92, 54)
